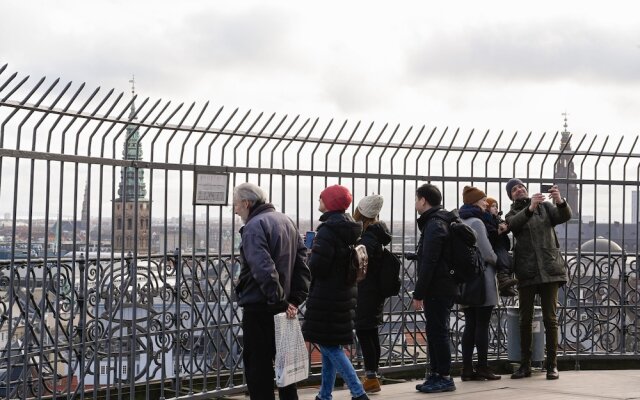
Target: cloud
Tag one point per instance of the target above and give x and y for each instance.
(484, 65)
(541, 51)
(162, 47)
(250, 39)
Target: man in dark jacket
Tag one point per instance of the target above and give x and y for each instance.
(538, 265)
(274, 278)
(435, 290)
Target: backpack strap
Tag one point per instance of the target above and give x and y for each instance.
(441, 217)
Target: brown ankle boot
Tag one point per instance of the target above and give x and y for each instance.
(371, 385)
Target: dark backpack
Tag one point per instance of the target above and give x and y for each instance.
(359, 262)
(389, 278)
(463, 257)
(465, 261)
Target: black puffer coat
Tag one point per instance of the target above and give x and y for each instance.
(331, 304)
(370, 303)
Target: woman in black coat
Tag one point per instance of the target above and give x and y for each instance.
(369, 309)
(330, 309)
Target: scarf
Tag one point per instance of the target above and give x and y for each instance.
(471, 211)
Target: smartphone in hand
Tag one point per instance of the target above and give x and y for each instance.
(545, 187)
(308, 239)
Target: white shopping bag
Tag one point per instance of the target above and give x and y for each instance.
(292, 359)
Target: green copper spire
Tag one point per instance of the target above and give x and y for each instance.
(132, 151)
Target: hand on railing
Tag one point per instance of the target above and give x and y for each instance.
(411, 256)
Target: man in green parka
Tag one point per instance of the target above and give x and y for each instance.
(538, 265)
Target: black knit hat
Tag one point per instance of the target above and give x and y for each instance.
(511, 184)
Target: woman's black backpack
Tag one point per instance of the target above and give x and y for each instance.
(389, 282)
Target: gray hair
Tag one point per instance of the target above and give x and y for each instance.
(250, 192)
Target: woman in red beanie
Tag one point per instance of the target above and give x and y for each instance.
(332, 300)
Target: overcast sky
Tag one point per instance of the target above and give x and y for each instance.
(472, 64)
(483, 65)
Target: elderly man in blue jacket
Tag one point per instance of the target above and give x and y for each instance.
(274, 278)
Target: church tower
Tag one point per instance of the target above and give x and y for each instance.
(84, 223)
(131, 208)
(565, 170)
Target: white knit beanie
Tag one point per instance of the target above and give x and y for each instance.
(370, 206)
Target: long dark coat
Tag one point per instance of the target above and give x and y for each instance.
(331, 304)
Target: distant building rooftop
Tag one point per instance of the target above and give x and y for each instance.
(600, 245)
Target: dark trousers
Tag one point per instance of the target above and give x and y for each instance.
(504, 260)
(476, 334)
(437, 311)
(370, 345)
(259, 350)
(549, 299)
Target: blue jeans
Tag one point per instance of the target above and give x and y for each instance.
(437, 310)
(334, 360)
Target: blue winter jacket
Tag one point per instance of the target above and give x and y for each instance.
(272, 253)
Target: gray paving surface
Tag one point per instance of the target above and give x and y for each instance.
(619, 384)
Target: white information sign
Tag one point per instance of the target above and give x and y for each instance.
(211, 189)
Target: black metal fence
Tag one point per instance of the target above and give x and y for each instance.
(117, 263)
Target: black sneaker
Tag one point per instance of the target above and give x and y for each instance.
(430, 379)
(442, 384)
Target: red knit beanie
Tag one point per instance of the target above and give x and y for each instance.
(336, 198)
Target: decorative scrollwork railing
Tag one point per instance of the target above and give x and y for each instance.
(117, 322)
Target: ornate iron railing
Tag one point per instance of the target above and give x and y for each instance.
(78, 328)
(114, 280)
